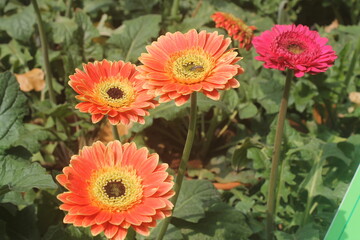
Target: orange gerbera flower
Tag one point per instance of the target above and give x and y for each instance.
(114, 187)
(110, 88)
(178, 64)
(236, 28)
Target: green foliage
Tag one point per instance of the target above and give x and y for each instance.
(12, 110)
(132, 37)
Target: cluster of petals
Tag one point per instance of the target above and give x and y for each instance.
(236, 28)
(294, 47)
(111, 89)
(178, 64)
(89, 208)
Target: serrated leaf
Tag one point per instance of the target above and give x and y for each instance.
(132, 37)
(302, 94)
(20, 175)
(12, 110)
(19, 55)
(247, 110)
(201, 17)
(23, 224)
(63, 30)
(19, 25)
(195, 196)
(221, 222)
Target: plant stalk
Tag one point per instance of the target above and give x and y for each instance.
(183, 163)
(270, 212)
(130, 234)
(115, 132)
(174, 10)
(45, 51)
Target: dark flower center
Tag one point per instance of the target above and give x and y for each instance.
(115, 93)
(295, 48)
(114, 189)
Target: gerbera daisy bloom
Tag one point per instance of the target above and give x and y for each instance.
(114, 187)
(110, 88)
(235, 27)
(178, 64)
(294, 47)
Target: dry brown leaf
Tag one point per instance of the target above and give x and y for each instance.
(105, 134)
(226, 186)
(31, 80)
(332, 26)
(355, 97)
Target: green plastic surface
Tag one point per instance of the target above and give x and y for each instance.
(346, 224)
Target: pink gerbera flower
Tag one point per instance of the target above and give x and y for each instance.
(179, 64)
(294, 47)
(114, 187)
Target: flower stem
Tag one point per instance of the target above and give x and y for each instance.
(174, 9)
(270, 213)
(45, 52)
(183, 163)
(130, 234)
(115, 132)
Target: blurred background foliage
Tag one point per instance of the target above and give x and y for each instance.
(231, 157)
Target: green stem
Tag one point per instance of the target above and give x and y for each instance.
(210, 133)
(45, 52)
(115, 132)
(282, 12)
(130, 234)
(270, 213)
(183, 163)
(174, 9)
(68, 8)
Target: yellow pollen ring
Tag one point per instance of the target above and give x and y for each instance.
(129, 184)
(295, 48)
(190, 66)
(116, 92)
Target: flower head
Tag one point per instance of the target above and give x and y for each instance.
(235, 27)
(294, 47)
(110, 88)
(114, 187)
(178, 64)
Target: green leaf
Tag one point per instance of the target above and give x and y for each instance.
(221, 222)
(201, 17)
(172, 233)
(307, 232)
(63, 30)
(302, 94)
(247, 110)
(195, 196)
(19, 25)
(20, 175)
(170, 111)
(19, 55)
(12, 110)
(23, 224)
(59, 232)
(132, 37)
(239, 158)
(32, 136)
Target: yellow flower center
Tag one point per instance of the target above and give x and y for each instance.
(115, 189)
(295, 49)
(115, 92)
(190, 66)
